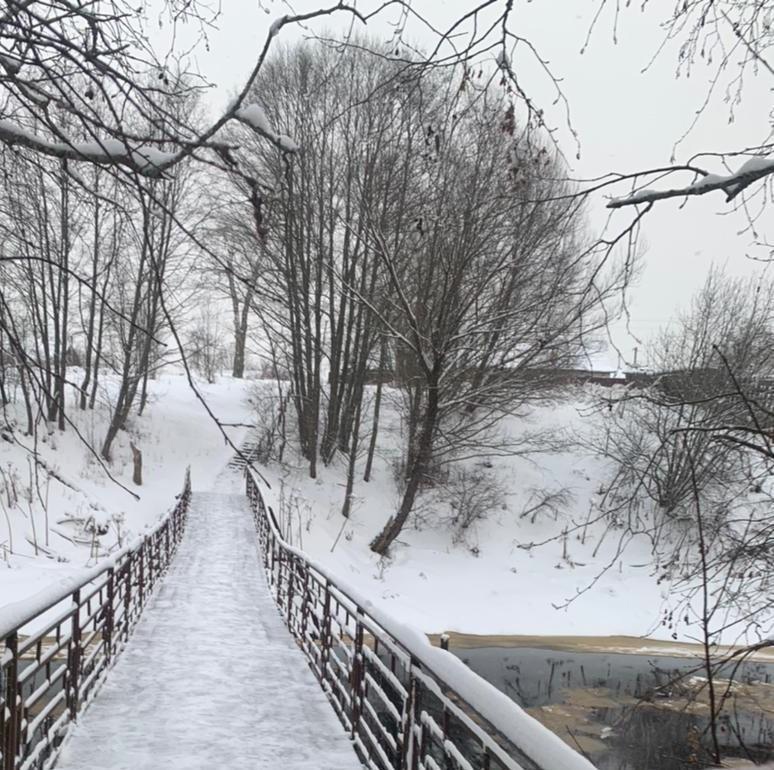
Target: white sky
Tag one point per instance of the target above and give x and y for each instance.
(625, 119)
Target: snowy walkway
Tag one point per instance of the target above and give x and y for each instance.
(211, 677)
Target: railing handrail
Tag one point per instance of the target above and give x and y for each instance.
(13, 616)
(48, 674)
(475, 695)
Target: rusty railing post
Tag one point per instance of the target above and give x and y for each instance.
(107, 634)
(422, 743)
(418, 744)
(356, 676)
(148, 548)
(177, 522)
(325, 633)
(13, 720)
(276, 562)
(141, 575)
(263, 535)
(305, 603)
(74, 663)
(291, 562)
(128, 594)
(407, 749)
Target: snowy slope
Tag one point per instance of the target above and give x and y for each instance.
(174, 432)
(486, 584)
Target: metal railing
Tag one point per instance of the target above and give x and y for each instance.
(406, 705)
(49, 673)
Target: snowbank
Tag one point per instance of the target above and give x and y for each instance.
(490, 582)
(174, 432)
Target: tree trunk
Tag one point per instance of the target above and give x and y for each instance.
(374, 431)
(241, 319)
(347, 507)
(3, 394)
(64, 299)
(27, 401)
(89, 352)
(238, 370)
(137, 463)
(97, 356)
(419, 468)
(143, 391)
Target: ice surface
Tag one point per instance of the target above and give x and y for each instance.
(211, 678)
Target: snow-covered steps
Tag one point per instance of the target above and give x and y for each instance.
(248, 452)
(211, 677)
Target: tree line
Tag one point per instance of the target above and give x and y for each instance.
(420, 230)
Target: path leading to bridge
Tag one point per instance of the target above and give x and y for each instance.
(211, 678)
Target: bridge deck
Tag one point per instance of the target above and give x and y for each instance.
(211, 677)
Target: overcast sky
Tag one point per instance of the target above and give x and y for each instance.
(626, 119)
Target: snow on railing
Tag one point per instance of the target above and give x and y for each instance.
(406, 704)
(77, 628)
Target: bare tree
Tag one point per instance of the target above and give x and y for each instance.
(491, 282)
(140, 280)
(689, 477)
(321, 275)
(237, 259)
(690, 427)
(205, 349)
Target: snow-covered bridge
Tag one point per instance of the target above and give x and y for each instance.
(213, 675)
(211, 678)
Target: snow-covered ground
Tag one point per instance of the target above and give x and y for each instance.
(174, 432)
(486, 583)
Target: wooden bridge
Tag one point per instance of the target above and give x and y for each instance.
(186, 651)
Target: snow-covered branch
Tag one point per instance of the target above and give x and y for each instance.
(146, 160)
(75, 89)
(751, 171)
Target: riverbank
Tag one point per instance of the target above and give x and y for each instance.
(539, 559)
(626, 645)
(631, 703)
